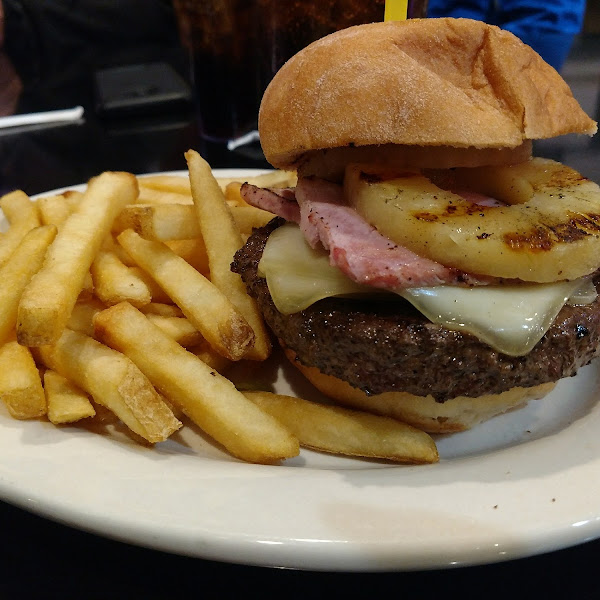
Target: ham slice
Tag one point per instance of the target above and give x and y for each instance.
(280, 202)
(355, 247)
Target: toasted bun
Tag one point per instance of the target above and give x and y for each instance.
(458, 414)
(426, 82)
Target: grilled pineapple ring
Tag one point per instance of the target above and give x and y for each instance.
(548, 231)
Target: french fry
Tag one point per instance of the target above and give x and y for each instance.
(49, 298)
(82, 315)
(178, 328)
(120, 252)
(113, 381)
(159, 221)
(115, 282)
(17, 205)
(87, 290)
(161, 309)
(156, 292)
(179, 184)
(193, 252)
(66, 402)
(22, 215)
(223, 239)
(232, 194)
(208, 356)
(275, 179)
(20, 384)
(152, 196)
(249, 217)
(270, 179)
(54, 210)
(16, 273)
(73, 197)
(350, 432)
(166, 222)
(207, 398)
(207, 308)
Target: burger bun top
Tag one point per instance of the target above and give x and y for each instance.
(455, 83)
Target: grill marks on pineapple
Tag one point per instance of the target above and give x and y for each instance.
(544, 237)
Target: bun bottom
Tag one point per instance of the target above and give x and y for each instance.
(457, 414)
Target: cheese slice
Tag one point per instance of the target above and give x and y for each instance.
(298, 275)
(510, 318)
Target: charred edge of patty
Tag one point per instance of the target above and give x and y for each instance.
(388, 346)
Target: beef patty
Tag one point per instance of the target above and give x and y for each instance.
(387, 345)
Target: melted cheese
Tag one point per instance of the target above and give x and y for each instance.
(299, 276)
(510, 318)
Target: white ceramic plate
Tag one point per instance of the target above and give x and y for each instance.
(521, 484)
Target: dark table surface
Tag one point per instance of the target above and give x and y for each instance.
(41, 558)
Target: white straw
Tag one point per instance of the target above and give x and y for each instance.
(248, 138)
(51, 116)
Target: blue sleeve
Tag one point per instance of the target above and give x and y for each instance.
(548, 26)
(480, 10)
(557, 16)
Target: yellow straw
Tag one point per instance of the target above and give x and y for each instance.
(395, 10)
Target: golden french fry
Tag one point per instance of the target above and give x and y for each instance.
(193, 252)
(152, 196)
(207, 398)
(20, 383)
(275, 179)
(66, 402)
(16, 273)
(54, 210)
(123, 256)
(161, 309)
(249, 217)
(17, 206)
(113, 381)
(49, 298)
(208, 356)
(178, 328)
(23, 216)
(179, 184)
(232, 194)
(156, 292)
(159, 221)
(270, 179)
(349, 432)
(103, 416)
(73, 197)
(222, 239)
(166, 222)
(115, 282)
(83, 313)
(207, 308)
(87, 290)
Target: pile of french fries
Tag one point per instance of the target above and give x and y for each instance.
(119, 303)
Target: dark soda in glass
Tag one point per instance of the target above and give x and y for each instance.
(237, 46)
(220, 36)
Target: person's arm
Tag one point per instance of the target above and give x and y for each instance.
(548, 27)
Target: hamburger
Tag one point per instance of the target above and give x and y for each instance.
(426, 266)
